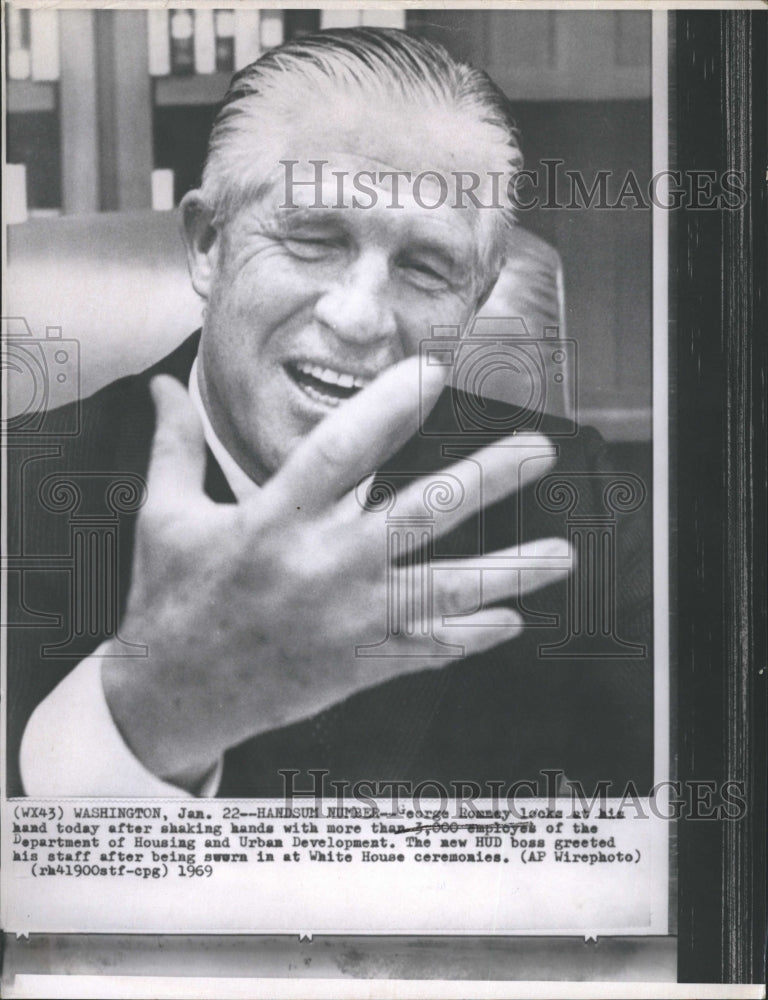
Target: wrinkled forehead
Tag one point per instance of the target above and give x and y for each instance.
(417, 139)
(437, 138)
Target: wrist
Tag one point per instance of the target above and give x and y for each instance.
(145, 716)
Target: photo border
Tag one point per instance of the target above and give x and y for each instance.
(719, 95)
(717, 106)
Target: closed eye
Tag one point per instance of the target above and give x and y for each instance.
(424, 275)
(311, 247)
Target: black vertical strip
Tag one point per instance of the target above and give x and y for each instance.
(700, 455)
(720, 88)
(106, 97)
(745, 324)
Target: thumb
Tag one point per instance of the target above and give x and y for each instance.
(177, 462)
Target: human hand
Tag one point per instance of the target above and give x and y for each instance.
(252, 613)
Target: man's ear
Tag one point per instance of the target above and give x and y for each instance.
(202, 241)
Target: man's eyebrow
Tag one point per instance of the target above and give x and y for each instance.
(299, 215)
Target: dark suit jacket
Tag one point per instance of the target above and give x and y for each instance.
(563, 696)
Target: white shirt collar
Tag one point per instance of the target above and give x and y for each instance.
(239, 481)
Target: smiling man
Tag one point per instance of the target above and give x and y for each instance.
(313, 288)
(259, 574)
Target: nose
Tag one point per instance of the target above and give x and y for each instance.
(358, 306)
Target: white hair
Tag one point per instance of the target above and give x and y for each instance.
(322, 76)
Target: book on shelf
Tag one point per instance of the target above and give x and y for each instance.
(226, 35)
(162, 190)
(340, 18)
(391, 18)
(182, 32)
(15, 193)
(202, 41)
(247, 44)
(158, 42)
(44, 44)
(351, 18)
(19, 64)
(272, 31)
(300, 21)
(204, 36)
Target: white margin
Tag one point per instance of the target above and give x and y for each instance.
(660, 431)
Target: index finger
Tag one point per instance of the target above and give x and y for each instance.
(356, 438)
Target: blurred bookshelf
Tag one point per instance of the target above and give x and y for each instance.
(99, 99)
(33, 135)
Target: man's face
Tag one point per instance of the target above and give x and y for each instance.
(307, 305)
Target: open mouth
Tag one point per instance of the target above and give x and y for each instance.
(325, 385)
